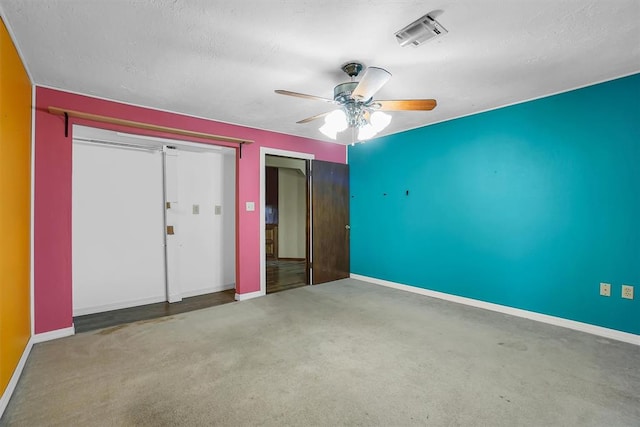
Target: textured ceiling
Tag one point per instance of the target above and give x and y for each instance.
(223, 59)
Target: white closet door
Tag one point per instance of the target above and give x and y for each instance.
(118, 228)
(206, 218)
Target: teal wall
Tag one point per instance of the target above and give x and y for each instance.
(529, 206)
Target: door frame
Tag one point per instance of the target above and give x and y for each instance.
(264, 151)
(173, 291)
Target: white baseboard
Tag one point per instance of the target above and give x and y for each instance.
(53, 335)
(531, 315)
(8, 392)
(118, 305)
(209, 290)
(250, 295)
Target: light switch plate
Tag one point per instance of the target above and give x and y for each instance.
(196, 209)
(217, 210)
(251, 206)
(605, 289)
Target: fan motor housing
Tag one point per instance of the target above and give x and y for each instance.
(342, 92)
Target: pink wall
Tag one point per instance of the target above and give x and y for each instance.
(52, 257)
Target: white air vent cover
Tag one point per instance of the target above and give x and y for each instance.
(420, 31)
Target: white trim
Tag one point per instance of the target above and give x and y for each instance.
(209, 290)
(531, 315)
(264, 151)
(32, 239)
(53, 335)
(151, 142)
(182, 143)
(250, 295)
(118, 305)
(13, 382)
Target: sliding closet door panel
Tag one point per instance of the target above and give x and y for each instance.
(118, 226)
(206, 218)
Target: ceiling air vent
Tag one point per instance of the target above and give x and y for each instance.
(420, 31)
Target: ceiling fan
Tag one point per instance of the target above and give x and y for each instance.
(357, 108)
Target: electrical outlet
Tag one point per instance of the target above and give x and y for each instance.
(627, 291)
(605, 289)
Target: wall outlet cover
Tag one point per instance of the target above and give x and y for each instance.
(605, 289)
(627, 291)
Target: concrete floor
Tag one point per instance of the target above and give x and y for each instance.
(342, 353)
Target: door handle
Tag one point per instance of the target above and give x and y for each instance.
(347, 227)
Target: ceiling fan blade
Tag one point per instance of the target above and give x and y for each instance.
(372, 80)
(407, 105)
(309, 119)
(302, 95)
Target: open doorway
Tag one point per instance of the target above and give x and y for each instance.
(326, 223)
(286, 233)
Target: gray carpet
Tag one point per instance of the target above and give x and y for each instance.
(343, 353)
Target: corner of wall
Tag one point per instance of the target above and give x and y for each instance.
(3, 16)
(13, 382)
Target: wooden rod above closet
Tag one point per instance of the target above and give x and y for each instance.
(139, 125)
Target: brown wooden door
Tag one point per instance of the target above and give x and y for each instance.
(330, 221)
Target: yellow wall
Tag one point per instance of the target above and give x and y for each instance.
(15, 210)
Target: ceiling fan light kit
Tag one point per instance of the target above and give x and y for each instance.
(334, 122)
(337, 121)
(419, 31)
(357, 108)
